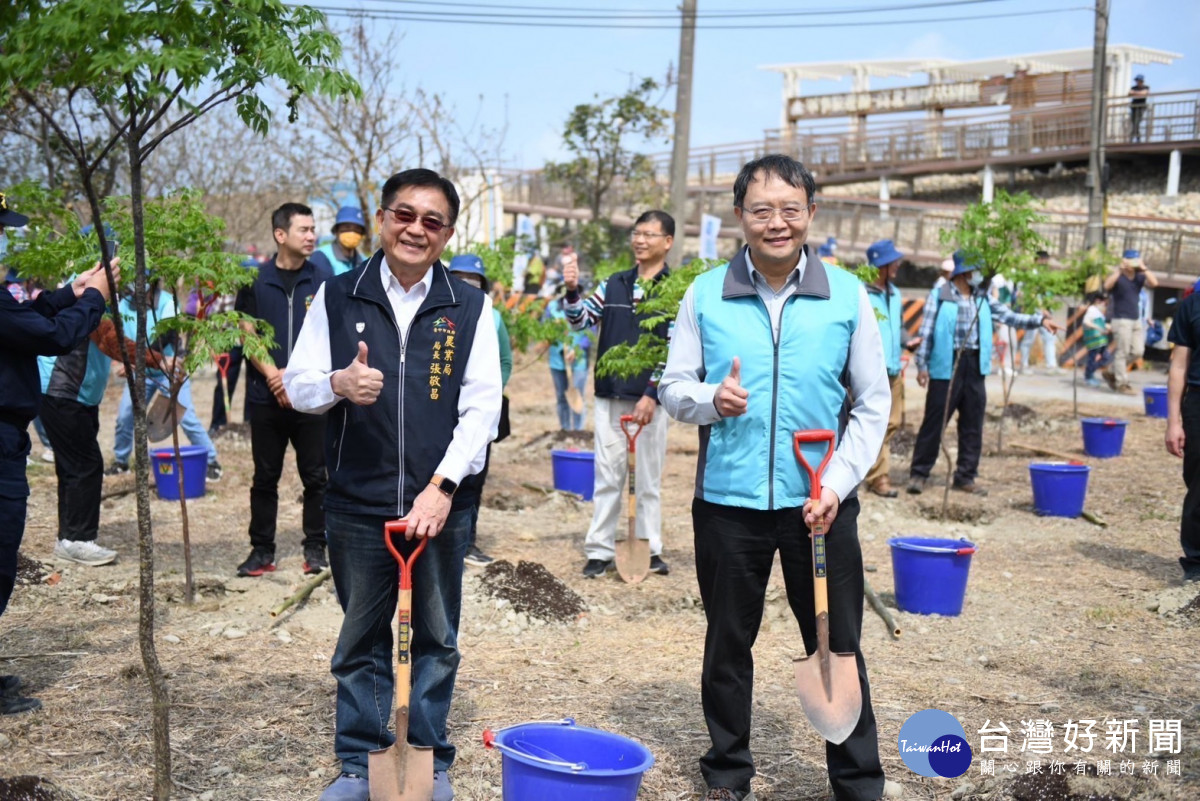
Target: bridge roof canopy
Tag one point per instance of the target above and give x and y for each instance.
(941, 69)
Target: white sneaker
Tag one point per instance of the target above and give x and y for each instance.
(85, 552)
(48, 456)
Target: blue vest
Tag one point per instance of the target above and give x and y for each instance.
(887, 303)
(285, 312)
(380, 457)
(941, 353)
(799, 383)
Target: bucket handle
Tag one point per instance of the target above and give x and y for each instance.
(936, 549)
(489, 741)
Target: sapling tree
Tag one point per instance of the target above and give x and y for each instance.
(1084, 276)
(152, 69)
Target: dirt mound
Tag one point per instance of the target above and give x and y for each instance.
(30, 571)
(1052, 787)
(956, 513)
(29, 788)
(534, 590)
(1019, 412)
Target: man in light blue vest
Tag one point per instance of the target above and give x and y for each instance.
(958, 320)
(775, 342)
(885, 300)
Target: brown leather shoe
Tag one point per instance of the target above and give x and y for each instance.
(883, 488)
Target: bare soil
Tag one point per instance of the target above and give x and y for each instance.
(1063, 620)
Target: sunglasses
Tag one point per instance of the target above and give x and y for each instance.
(406, 217)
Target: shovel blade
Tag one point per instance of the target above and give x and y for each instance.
(575, 400)
(400, 772)
(158, 418)
(835, 713)
(633, 559)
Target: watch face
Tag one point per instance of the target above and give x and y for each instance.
(447, 486)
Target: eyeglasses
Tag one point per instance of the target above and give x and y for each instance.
(645, 235)
(406, 217)
(763, 214)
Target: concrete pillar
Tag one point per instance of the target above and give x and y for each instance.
(989, 183)
(1173, 174)
(884, 196)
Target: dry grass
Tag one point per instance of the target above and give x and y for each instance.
(1056, 625)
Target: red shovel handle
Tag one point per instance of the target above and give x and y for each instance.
(626, 420)
(406, 565)
(814, 477)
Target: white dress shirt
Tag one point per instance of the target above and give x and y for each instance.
(688, 399)
(308, 373)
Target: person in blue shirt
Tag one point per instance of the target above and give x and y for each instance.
(342, 255)
(572, 353)
(54, 323)
(160, 306)
(885, 300)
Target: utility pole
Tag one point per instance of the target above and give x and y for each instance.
(683, 120)
(1095, 176)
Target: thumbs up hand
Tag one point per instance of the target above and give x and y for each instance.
(730, 399)
(358, 383)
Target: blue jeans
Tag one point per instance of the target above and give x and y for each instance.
(196, 433)
(1096, 359)
(567, 419)
(366, 578)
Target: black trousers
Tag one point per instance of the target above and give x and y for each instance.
(73, 429)
(271, 429)
(14, 495)
(735, 549)
(1189, 526)
(968, 397)
(219, 416)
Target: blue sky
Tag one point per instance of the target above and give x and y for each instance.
(539, 74)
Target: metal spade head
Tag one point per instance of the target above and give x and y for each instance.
(401, 772)
(833, 702)
(633, 558)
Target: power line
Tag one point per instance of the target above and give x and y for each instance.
(405, 16)
(642, 14)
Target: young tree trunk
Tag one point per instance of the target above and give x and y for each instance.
(189, 587)
(1007, 384)
(161, 702)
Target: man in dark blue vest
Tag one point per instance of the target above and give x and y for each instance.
(614, 307)
(774, 342)
(404, 358)
(281, 294)
(52, 325)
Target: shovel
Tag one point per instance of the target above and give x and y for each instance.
(402, 772)
(224, 360)
(827, 684)
(574, 398)
(159, 424)
(633, 554)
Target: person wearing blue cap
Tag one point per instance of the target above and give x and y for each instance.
(281, 295)
(55, 323)
(1124, 287)
(885, 299)
(958, 320)
(469, 268)
(1137, 106)
(341, 255)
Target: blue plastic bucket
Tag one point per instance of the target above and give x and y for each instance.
(930, 574)
(564, 761)
(574, 471)
(1156, 401)
(1103, 437)
(195, 468)
(1059, 489)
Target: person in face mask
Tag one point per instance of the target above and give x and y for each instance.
(342, 255)
(959, 315)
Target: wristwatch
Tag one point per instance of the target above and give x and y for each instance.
(444, 484)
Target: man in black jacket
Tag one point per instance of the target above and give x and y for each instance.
(614, 306)
(281, 294)
(51, 325)
(411, 412)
